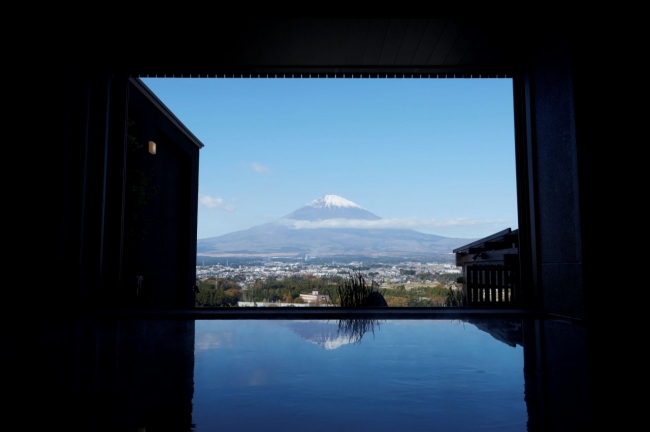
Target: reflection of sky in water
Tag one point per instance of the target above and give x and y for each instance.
(411, 375)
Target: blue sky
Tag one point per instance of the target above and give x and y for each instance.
(436, 155)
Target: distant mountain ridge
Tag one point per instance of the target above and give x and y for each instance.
(283, 238)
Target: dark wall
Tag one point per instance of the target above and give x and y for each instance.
(81, 236)
(161, 208)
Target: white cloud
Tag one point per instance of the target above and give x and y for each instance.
(259, 168)
(210, 202)
(395, 223)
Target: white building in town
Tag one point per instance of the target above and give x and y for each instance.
(315, 297)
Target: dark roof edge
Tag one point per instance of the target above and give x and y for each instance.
(331, 71)
(146, 91)
(483, 240)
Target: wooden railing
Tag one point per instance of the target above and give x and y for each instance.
(492, 285)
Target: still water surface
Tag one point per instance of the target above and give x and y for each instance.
(420, 375)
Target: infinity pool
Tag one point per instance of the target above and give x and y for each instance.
(421, 375)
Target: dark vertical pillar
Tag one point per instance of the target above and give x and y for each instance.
(549, 192)
(111, 272)
(82, 182)
(87, 158)
(560, 221)
(68, 281)
(186, 299)
(94, 190)
(526, 189)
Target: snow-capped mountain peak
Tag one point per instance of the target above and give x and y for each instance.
(331, 207)
(332, 201)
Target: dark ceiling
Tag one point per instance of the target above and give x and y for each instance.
(334, 47)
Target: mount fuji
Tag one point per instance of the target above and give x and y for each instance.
(331, 207)
(315, 230)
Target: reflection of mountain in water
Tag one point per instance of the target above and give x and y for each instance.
(324, 334)
(333, 335)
